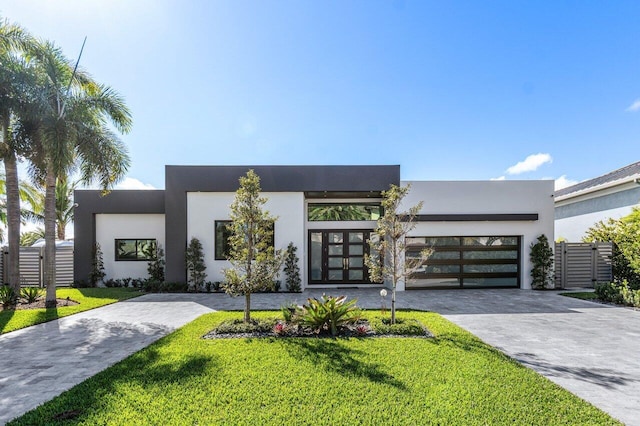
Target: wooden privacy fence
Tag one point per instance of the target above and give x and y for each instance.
(32, 266)
(582, 264)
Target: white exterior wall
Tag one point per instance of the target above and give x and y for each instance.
(110, 227)
(204, 208)
(574, 228)
(486, 197)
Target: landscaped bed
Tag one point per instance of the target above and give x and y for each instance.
(452, 378)
(81, 299)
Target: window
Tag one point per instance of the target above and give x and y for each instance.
(222, 239)
(222, 235)
(134, 249)
(344, 211)
(467, 261)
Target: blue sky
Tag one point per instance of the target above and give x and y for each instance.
(449, 90)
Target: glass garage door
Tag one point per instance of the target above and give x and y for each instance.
(467, 262)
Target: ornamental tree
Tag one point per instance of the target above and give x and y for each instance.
(255, 262)
(542, 263)
(291, 269)
(195, 264)
(387, 260)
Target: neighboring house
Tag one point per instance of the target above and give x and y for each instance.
(481, 231)
(580, 206)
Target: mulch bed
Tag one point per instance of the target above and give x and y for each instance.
(38, 304)
(352, 330)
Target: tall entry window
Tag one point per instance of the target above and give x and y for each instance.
(469, 262)
(337, 256)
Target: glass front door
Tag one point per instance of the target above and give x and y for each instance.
(337, 256)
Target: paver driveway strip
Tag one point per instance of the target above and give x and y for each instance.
(40, 362)
(590, 349)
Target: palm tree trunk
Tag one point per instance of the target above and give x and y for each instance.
(50, 237)
(13, 208)
(60, 231)
(13, 220)
(62, 193)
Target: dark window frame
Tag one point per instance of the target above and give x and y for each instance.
(222, 252)
(356, 204)
(324, 254)
(461, 247)
(139, 249)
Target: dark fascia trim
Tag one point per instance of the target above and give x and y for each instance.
(182, 179)
(507, 217)
(89, 203)
(283, 178)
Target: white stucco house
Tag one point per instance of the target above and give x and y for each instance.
(580, 206)
(480, 230)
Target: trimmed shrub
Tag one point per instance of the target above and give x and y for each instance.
(239, 326)
(542, 260)
(97, 266)
(194, 257)
(155, 267)
(292, 270)
(410, 327)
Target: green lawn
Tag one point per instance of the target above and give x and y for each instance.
(451, 379)
(88, 298)
(584, 295)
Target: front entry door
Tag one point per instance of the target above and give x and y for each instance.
(337, 256)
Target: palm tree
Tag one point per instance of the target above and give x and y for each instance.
(64, 206)
(15, 82)
(30, 237)
(71, 134)
(27, 193)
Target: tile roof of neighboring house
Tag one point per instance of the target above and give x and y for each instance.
(626, 171)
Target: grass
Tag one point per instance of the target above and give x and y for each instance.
(584, 295)
(88, 298)
(453, 378)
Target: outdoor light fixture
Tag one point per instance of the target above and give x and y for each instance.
(383, 294)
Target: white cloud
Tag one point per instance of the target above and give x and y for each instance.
(133, 183)
(530, 164)
(499, 178)
(635, 106)
(563, 182)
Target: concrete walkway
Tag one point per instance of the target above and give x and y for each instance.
(590, 349)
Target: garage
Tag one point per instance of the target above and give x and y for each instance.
(467, 262)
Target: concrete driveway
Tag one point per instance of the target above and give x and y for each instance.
(590, 349)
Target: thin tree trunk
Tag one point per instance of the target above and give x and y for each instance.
(50, 237)
(13, 208)
(247, 307)
(393, 304)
